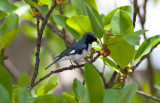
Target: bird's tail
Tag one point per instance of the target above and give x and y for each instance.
(53, 62)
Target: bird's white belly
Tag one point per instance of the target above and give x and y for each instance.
(78, 56)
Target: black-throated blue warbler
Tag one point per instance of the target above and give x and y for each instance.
(77, 50)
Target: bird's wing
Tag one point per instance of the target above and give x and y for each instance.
(73, 49)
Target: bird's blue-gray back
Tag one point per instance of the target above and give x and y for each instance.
(78, 47)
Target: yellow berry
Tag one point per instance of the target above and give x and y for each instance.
(102, 52)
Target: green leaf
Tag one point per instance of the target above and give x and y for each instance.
(29, 31)
(4, 95)
(9, 30)
(94, 84)
(23, 96)
(80, 91)
(134, 38)
(127, 93)
(61, 20)
(23, 80)
(28, 1)
(157, 85)
(5, 5)
(121, 51)
(44, 9)
(80, 23)
(146, 46)
(10, 23)
(7, 38)
(43, 2)
(121, 23)
(111, 64)
(110, 96)
(6, 80)
(79, 6)
(96, 21)
(81, 10)
(107, 19)
(45, 89)
(92, 3)
(48, 99)
(2, 14)
(68, 98)
(120, 96)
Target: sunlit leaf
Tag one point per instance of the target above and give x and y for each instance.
(61, 20)
(80, 23)
(45, 89)
(111, 64)
(48, 99)
(121, 23)
(107, 19)
(9, 30)
(94, 84)
(68, 98)
(146, 46)
(121, 51)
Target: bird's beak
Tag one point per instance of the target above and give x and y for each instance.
(97, 41)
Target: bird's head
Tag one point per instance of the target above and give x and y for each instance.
(89, 38)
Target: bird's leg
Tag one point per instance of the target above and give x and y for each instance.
(71, 63)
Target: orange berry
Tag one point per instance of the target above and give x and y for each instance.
(121, 79)
(109, 33)
(59, 2)
(34, 15)
(102, 52)
(39, 12)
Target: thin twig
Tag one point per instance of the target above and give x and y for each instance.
(63, 69)
(135, 12)
(59, 33)
(134, 67)
(40, 33)
(111, 81)
(148, 95)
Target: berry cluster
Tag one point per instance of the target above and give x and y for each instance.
(105, 52)
(34, 14)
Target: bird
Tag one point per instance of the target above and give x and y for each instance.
(77, 50)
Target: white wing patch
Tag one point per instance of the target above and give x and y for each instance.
(72, 52)
(77, 56)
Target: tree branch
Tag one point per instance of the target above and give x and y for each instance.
(148, 95)
(134, 67)
(64, 69)
(135, 12)
(59, 33)
(40, 33)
